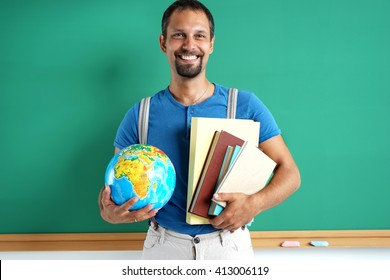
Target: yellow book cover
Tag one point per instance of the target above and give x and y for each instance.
(202, 132)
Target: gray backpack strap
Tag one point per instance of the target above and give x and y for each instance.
(232, 103)
(143, 120)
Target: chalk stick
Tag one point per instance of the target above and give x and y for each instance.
(319, 243)
(290, 243)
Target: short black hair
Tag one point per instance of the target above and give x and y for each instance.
(182, 5)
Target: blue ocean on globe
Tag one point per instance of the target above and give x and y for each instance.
(143, 171)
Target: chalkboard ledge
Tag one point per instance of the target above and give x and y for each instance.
(134, 241)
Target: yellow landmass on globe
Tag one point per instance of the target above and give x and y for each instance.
(136, 169)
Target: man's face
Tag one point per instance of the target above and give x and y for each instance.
(187, 43)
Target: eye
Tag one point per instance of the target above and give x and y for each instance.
(178, 35)
(201, 36)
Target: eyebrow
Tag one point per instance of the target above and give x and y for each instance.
(196, 31)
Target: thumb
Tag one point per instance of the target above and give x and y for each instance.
(107, 190)
(222, 197)
(106, 194)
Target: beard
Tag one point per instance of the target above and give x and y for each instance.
(188, 71)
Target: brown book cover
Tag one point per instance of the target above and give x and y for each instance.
(205, 189)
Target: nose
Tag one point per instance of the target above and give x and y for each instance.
(189, 43)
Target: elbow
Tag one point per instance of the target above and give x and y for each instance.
(297, 179)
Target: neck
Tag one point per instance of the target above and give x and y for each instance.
(191, 91)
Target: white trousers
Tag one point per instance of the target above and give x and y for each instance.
(164, 244)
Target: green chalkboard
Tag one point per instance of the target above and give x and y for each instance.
(69, 70)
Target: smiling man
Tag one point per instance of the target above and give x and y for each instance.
(187, 40)
(187, 43)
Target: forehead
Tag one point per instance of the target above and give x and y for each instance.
(188, 20)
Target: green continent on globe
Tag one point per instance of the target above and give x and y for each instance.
(134, 164)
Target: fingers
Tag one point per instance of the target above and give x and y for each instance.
(141, 214)
(225, 221)
(234, 215)
(130, 203)
(137, 215)
(230, 224)
(115, 214)
(144, 213)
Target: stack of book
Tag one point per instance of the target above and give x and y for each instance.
(223, 158)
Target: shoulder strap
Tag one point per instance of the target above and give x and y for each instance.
(232, 103)
(143, 115)
(143, 120)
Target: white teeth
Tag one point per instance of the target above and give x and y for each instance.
(188, 57)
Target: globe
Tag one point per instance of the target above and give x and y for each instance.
(143, 171)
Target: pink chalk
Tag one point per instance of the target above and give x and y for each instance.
(291, 244)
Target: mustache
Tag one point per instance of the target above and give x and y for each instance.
(188, 53)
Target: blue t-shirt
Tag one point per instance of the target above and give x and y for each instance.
(169, 130)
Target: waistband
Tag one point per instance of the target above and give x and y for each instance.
(152, 222)
(222, 236)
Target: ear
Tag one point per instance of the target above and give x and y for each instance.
(212, 45)
(162, 44)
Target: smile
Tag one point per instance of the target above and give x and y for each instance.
(188, 57)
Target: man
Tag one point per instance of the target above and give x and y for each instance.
(188, 40)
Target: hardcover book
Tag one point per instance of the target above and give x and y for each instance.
(202, 133)
(249, 173)
(231, 153)
(206, 185)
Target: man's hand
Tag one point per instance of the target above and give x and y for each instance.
(239, 211)
(115, 214)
